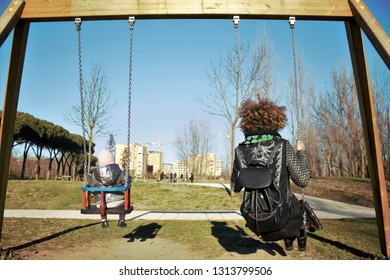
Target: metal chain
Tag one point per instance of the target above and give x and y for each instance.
(127, 167)
(292, 25)
(236, 20)
(298, 130)
(82, 103)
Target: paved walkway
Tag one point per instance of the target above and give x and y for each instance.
(324, 208)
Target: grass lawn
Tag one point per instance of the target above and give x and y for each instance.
(145, 196)
(73, 239)
(208, 240)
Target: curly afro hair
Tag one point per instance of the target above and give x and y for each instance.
(263, 114)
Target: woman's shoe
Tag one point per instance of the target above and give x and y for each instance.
(288, 244)
(302, 239)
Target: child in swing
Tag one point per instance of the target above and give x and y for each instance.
(109, 174)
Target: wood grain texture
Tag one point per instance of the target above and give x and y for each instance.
(49, 10)
(372, 28)
(10, 18)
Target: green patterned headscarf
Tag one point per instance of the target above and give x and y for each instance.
(252, 139)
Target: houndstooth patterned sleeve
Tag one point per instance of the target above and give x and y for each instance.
(298, 166)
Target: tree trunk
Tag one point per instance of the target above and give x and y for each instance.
(37, 170)
(25, 154)
(232, 149)
(48, 173)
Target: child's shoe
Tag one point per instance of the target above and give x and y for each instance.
(105, 224)
(122, 223)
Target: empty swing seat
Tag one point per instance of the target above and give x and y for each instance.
(88, 208)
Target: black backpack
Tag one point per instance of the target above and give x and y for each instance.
(264, 207)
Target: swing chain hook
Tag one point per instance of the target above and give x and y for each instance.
(291, 20)
(77, 22)
(236, 21)
(131, 22)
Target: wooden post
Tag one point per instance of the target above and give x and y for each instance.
(10, 105)
(367, 112)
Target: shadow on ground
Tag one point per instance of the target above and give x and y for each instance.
(236, 240)
(49, 237)
(344, 247)
(142, 233)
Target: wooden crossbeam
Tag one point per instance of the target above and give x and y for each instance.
(63, 10)
(9, 19)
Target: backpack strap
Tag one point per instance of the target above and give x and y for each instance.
(238, 156)
(273, 152)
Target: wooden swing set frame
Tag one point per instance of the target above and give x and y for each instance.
(354, 13)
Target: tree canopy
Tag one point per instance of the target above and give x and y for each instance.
(39, 135)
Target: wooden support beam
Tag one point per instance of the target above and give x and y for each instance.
(368, 115)
(10, 18)
(372, 28)
(65, 10)
(10, 105)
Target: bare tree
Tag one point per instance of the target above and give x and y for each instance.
(340, 128)
(97, 101)
(380, 82)
(266, 83)
(111, 144)
(183, 143)
(234, 79)
(193, 143)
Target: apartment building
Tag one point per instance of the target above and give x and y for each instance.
(149, 164)
(138, 158)
(154, 163)
(180, 168)
(206, 165)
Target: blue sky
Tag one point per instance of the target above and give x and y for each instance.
(170, 62)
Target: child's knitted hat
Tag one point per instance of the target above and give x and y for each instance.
(105, 158)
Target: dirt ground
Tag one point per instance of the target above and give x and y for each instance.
(149, 249)
(146, 242)
(159, 249)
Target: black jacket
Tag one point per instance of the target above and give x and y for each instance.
(286, 164)
(254, 150)
(108, 176)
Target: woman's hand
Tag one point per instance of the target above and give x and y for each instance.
(300, 146)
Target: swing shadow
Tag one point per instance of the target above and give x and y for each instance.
(236, 240)
(357, 252)
(50, 237)
(143, 232)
